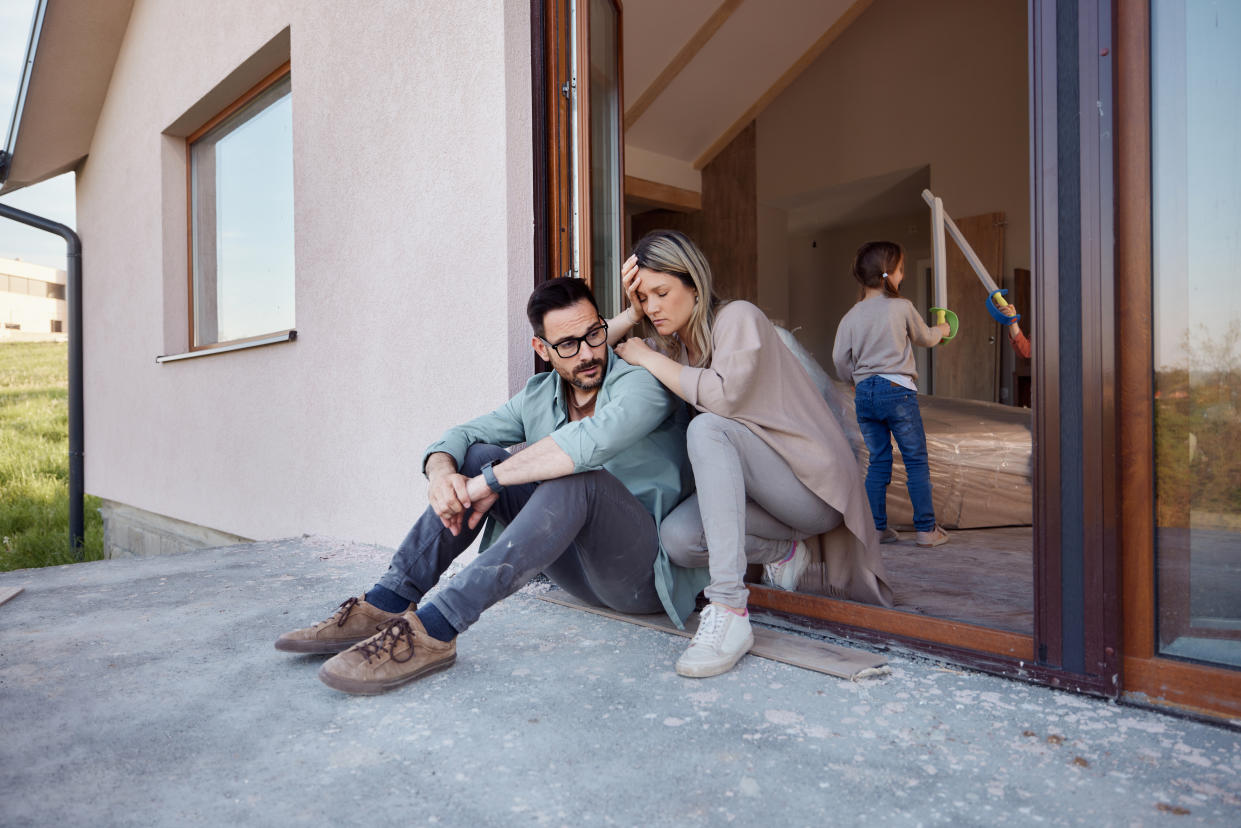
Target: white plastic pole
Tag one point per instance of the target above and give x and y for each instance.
(937, 211)
(940, 255)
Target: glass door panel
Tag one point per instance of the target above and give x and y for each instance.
(1196, 217)
(604, 236)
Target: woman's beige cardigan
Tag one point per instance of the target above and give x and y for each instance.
(754, 379)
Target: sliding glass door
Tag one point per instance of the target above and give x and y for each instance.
(1196, 245)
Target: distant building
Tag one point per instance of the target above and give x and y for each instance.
(32, 302)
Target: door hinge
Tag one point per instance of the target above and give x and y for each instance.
(566, 86)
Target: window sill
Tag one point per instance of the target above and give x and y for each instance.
(257, 342)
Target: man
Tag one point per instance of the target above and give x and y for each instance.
(605, 462)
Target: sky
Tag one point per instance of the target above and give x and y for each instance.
(1196, 172)
(52, 199)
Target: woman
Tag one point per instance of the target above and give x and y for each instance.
(777, 482)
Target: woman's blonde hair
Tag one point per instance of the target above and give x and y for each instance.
(673, 253)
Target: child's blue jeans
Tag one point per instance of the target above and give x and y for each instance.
(886, 410)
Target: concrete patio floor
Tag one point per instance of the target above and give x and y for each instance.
(147, 692)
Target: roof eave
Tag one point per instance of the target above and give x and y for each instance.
(72, 50)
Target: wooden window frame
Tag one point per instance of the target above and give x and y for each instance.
(1147, 676)
(556, 179)
(553, 150)
(280, 73)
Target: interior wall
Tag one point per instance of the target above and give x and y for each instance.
(909, 84)
(821, 283)
(726, 228)
(773, 264)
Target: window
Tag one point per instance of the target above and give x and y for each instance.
(55, 291)
(241, 218)
(604, 234)
(584, 172)
(58, 326)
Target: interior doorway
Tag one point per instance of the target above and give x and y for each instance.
(781, 142)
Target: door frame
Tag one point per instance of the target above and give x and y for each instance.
(1147, 676)
(1090, 274)
(560, 179)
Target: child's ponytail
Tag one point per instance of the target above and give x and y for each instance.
(874, 261)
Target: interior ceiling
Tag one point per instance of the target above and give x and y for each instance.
(754, 47)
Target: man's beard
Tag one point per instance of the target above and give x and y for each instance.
(586, 385)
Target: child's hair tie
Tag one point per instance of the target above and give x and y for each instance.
(885, 274)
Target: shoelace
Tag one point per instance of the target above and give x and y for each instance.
(391, 633)
(710, 627)
(344, 610)
(773, 570)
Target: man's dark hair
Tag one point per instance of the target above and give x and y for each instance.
(554, 294)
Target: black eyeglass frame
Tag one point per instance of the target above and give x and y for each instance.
(576, 341)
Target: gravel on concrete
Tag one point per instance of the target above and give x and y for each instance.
(147, 692)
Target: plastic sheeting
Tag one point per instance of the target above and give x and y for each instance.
(982, 468)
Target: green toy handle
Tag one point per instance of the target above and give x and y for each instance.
(945, 315)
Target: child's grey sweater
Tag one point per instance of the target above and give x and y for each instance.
(877, 336)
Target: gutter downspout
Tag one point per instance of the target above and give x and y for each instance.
(73, 294)
(73, 297)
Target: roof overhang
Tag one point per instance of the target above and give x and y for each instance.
(69, 59)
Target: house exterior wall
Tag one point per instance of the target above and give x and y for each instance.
(413, 248)
(27, 307)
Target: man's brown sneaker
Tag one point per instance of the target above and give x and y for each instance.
(399, 653)
(355, 620)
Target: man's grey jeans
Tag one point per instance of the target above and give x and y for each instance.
(586, 532)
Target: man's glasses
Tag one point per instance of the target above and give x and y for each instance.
(566, 348)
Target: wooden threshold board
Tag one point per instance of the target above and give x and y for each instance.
(807, 653)
(8, 593)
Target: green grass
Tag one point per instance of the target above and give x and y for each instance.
(34, 459)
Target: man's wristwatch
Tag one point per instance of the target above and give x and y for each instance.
(489, 475)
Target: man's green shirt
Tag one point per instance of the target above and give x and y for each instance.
(637, 433)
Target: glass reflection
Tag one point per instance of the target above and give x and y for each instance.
(243, 222)
(1196, 211)
(605, 195)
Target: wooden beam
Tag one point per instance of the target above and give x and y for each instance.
(679, 61)
(1214, 691)
(654, 195)
(905, 624)
(843, 22)
(807, 653)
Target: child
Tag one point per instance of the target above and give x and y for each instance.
(1020, 344)
(874, 350)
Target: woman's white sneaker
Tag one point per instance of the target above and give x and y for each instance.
(786, 573)
(723, 637)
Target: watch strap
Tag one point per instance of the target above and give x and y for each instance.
(489, 475)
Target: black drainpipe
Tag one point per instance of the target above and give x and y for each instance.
(73, 297)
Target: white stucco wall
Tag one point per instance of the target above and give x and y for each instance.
(413, 216)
